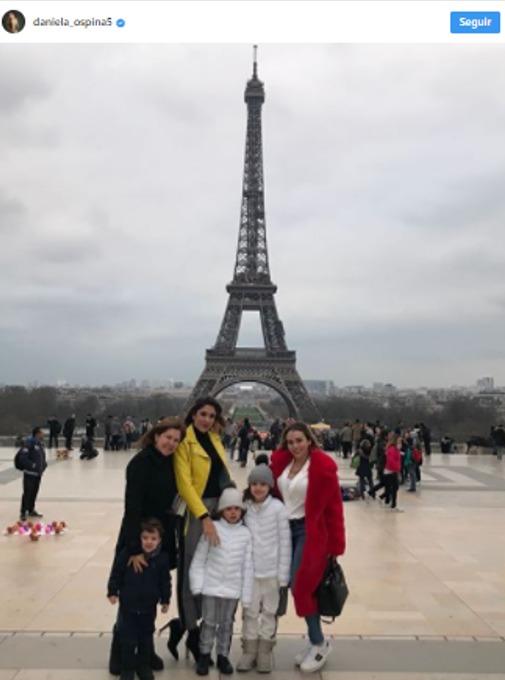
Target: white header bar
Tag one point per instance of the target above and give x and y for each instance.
(251, 21)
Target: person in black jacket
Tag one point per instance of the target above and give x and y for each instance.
(139, 593)
(244, 437)
(54, 426)
(150, 492)
(33, 462)
(91, 426)
(68, 431)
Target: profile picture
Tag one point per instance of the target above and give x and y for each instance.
(13, 21)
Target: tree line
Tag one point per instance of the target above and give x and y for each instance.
(23, 408)
(460, 417)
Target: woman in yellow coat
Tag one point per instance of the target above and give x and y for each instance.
(201, 473)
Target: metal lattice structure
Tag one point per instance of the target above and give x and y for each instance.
(252, 290)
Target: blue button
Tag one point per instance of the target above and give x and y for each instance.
(475, 22)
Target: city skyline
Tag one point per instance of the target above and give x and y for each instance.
(120, 186)
(481, 384)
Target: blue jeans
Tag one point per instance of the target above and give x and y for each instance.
(412, 473)
(314, 630)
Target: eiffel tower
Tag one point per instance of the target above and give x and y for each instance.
(252, 290)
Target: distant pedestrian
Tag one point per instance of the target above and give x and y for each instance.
(129, 431)
(91, 426)
(68, 431)
(499, 440)
(244, 438)
(346, 439)
(357, 433)
(275, 433)
(54, 426)
(145, 426)
(107, 432)
(33, 463)
(116, 433)
(426, 437)
(228, 434)
(364, 470)
(391, 471)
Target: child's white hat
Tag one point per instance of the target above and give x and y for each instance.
(230, 498)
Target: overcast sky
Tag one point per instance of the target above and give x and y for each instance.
(120, 185)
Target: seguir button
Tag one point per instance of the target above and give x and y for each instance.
(475, 22)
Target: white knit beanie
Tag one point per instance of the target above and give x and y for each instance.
(230, 498)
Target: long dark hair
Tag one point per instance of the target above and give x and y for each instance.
(200, 403)
(170, 423)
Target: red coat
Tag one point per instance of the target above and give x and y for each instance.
(393, 459)
(324, 524)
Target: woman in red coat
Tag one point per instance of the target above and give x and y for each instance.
(307, 481)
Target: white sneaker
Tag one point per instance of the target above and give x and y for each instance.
(397, 509)
(301, 656)
(316, 658)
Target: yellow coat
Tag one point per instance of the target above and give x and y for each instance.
(192, 467)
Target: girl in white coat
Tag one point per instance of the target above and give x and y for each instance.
(267, 520)
(223, 574)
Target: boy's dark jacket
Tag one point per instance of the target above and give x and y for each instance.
(140, 592)
(33, 457)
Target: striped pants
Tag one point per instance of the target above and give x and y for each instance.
(218, 614)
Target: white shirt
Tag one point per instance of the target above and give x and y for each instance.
(294, 491)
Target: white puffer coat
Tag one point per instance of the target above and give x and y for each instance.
(271, 535)
(225, 570)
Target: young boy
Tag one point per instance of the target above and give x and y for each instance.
(222, 574)
(138, 594)
(33, 463)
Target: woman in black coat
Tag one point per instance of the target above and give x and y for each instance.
(150, 492)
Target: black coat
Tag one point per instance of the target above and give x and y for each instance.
(90, 427)
(140, 592)
(69, 427)
(150, 492)
(33, 457)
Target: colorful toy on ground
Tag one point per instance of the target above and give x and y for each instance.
(36, 529)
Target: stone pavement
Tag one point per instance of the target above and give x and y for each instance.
(427, 586)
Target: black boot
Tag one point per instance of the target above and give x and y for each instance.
(145, 673)
(202, 667)
(193, 642)
(155, 661)
(115, 655)
(175, 635)
(127, 675)
(224, 665)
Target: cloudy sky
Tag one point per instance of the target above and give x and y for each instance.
(120, 182)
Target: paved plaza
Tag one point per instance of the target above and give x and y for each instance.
(427, 587)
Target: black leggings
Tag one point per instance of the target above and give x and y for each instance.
(391, 484)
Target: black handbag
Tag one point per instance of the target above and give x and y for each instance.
(332, 592)
(283, 601)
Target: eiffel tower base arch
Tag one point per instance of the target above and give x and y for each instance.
(279, 373)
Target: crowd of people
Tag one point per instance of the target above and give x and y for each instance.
(118, 433)
(183, 512)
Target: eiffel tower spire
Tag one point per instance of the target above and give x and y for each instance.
(252, 256)
(252, 290)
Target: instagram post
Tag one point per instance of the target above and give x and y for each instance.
(252, 384)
